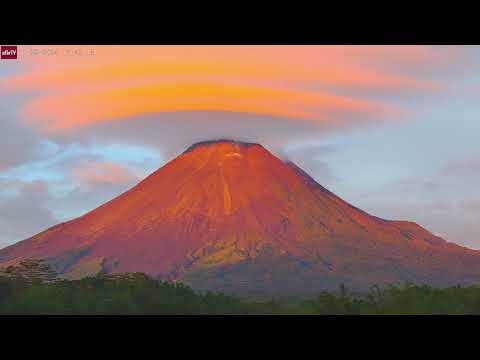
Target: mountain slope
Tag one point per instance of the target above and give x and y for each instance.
(233, 217)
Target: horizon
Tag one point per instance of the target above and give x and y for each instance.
(391, 130)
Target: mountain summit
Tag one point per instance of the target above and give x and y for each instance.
(230, 216)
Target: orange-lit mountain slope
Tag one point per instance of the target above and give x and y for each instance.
(232, 217)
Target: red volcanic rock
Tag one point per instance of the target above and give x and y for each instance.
(232, 217)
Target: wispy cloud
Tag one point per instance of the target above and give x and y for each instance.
(98, 173)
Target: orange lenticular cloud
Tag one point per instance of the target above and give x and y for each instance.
(330, 75)
(311, 83)
(72, 111)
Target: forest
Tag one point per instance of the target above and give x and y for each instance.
(139, 294)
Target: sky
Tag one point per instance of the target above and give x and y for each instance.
(393, 130)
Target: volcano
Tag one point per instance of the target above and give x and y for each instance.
(230, 216)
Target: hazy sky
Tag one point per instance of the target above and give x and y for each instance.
(393, 130)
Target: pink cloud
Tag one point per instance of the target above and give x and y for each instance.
(97, 173)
